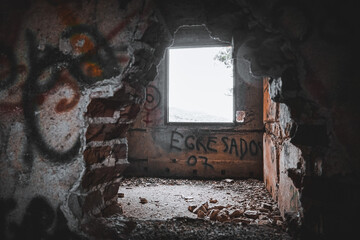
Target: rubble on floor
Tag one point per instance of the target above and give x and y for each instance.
(119, 227)
(155, 208)
(245, 202)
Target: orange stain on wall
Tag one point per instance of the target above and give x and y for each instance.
(92, 69)
(81, 43)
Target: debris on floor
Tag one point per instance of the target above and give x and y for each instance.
(197, 209)
(228, 200)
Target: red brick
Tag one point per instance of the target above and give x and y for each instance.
(101, 175)
(119, 151)
(102, 107)
(96, 154)
(104, 132)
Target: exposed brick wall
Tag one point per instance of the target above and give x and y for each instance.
(106, 151)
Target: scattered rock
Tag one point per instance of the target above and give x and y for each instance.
(263, 217)
(267, 206)
(222, 217)
(191, 208)
(213, 214)
(251, 214)
(213, 200)
(228, 180)
(236, 213)
(201, 214)
(277, 217)
(143, 200)
(206, 206)
(260, 208)
(201, 207)
(263, 222)
(217, 207)
(242, 220)
(264, 210)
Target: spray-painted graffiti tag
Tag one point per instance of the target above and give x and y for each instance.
(192, 161)
(212, 144)
(89, 66)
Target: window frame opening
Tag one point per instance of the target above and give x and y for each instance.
(205, 44)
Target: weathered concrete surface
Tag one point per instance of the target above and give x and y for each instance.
(187, 152)
(56, 58)
(170, 198)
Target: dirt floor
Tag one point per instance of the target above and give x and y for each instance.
(158, 208)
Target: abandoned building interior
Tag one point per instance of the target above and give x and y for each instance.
(89, 114)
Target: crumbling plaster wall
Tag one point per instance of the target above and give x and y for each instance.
(73, 77)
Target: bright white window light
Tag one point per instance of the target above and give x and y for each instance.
(200, 85)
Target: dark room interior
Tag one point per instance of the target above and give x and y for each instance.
(98, 119)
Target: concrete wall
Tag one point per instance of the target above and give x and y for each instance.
(68, 94)
(157, 148)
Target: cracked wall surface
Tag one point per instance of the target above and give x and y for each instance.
(73, 78)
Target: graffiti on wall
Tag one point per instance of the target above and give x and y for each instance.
(153, 100)
(88, 58)
(193, 160)
(42, 78)
(212, 144)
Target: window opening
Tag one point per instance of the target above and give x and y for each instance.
(200, 85)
